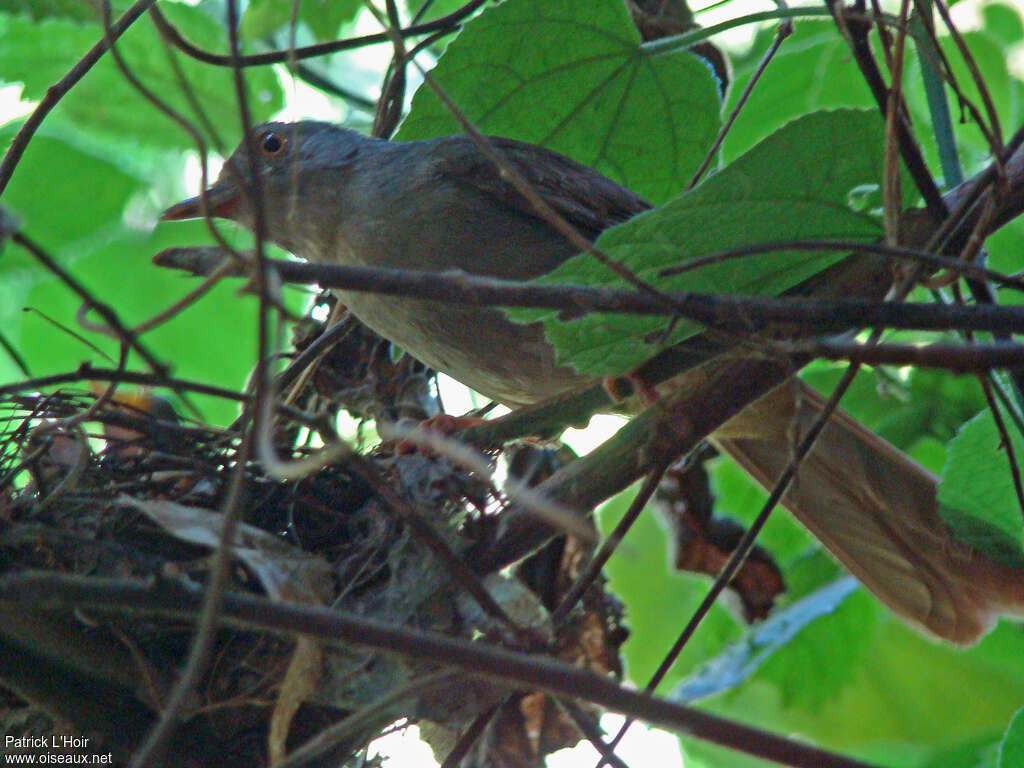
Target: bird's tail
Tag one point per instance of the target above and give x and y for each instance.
(876, 510)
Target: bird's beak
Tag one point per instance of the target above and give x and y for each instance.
(222, 200)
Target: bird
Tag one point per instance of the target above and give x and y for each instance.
(333, 196)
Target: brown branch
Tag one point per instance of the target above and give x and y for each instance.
(175, 599)
(722, 311)
(855, 32)
(957, 358)
(449, 23)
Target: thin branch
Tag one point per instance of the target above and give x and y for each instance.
(57, 91)
(469, 737)
(87, 372)
(1005, 442)
(107, 313)
(609, 545)
(785, 30)
(856, 33)
(591, 731)
(449, 22)
(957, 358)
(967, 268)
(14, 354)
(994, 132)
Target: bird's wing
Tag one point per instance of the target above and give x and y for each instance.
(582, 196)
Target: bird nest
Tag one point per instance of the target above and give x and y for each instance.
(125, 492)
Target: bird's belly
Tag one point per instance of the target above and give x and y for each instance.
(477, 346)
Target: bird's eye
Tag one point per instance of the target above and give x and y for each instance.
(272, 144)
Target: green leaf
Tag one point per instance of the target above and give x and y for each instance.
(73, 10)
(976, 493)
(903, 699)
(53, 211)
(813, 70)
(572, 76)
(755, 650)
(1003, 22)
(796, 184)
(971, 753)
(105, 104)
(67, 189)
(212, 341)
(324, 17)
(1011, 750)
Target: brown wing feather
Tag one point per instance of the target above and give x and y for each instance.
(582, 196)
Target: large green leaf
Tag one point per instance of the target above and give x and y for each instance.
(976, 493)
(66, 188)
(74, 10)
(104, 103)
(796, 184)
(68, 197)
(573, 77)
(813, 70)
(213, 341)
(903, 700)
(324, 17)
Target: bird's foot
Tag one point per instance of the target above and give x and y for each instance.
(632, 384)
(443, 424)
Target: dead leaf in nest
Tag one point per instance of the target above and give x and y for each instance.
(285, 572)
(703, 543)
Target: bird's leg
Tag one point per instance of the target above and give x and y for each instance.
(444, 424)
(632, 384)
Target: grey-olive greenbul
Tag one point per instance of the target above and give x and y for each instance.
(334, 196)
